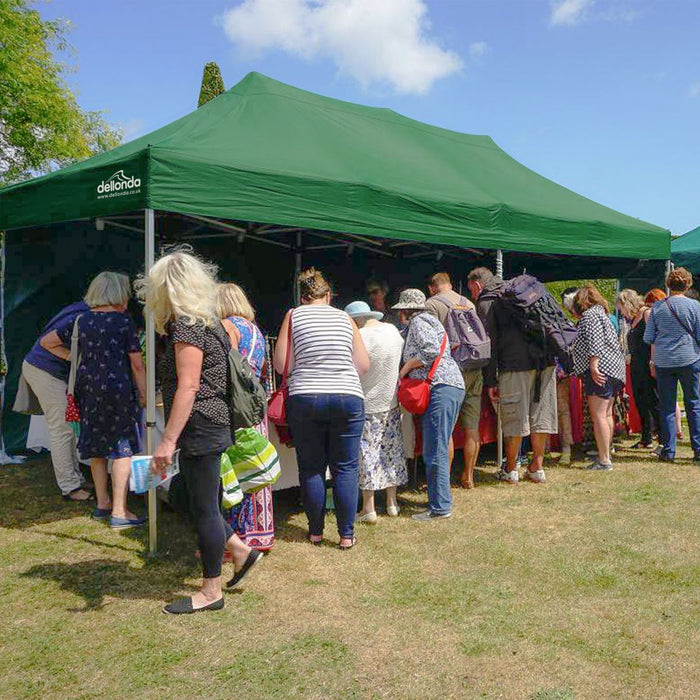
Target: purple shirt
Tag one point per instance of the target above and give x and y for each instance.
(43, 359)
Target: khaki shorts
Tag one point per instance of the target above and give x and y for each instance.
(470, 413)
(520, 415)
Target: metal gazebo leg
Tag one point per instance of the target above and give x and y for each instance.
(151, 384)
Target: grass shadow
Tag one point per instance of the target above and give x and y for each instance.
(95, 580)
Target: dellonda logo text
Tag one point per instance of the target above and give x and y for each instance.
(118, 185)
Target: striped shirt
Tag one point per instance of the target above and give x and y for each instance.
(673, 345)
(322, 340)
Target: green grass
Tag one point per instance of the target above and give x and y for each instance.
(585, 587)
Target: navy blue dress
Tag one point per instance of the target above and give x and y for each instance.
(104, 389)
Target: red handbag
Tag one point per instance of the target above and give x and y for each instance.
(414, 394)
(276, 406)
(72, 414)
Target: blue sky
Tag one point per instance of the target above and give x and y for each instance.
(602, 96)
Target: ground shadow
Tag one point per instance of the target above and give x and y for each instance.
(95, 580)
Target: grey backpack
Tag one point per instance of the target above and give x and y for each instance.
(247, 398)
(471, 345)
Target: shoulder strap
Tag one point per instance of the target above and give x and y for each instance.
(436, 362)
(285, 372)
(74, 341)
(677, 317)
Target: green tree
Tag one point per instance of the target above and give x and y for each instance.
(212, 83)
(42, 126)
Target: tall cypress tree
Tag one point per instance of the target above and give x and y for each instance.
(212, 83)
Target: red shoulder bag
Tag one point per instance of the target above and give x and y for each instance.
(276, 406)
(414, 394)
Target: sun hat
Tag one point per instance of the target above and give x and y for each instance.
(410, 299)
(360, 309)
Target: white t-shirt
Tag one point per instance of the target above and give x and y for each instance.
(384, 346)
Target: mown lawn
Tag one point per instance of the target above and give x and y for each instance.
(586, 587)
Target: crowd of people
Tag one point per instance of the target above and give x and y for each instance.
(344, 368)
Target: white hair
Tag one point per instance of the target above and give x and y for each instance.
(108, 289)
(179, 285)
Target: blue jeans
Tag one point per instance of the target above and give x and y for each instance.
(326, 429)
(438, 423)
(667, 379)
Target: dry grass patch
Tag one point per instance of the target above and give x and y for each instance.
(586, 587)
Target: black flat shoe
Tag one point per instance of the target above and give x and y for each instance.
(641, 446)
(183, 606)
(253, 558)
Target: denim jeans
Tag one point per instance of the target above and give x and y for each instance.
(326, 429)
(438, 423)
(667, 379)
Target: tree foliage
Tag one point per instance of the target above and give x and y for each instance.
(42, 126)
(212, 83)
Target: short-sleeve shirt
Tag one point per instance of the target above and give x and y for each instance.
(423, 342)
(211, 398)
(43, 359)
(675, 346)
(596, 337)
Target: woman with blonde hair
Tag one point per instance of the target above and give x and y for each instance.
(325, 407)
(110, 385)
(632, 307)
(674, 329)
(180, 292)
(599, 361)
(251, 519)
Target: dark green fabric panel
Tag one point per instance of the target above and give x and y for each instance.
(685, 251)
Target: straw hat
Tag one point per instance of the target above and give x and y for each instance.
(410, 299)
(360, 309)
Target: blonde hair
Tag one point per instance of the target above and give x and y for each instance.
(313, 285)
(108, 289)
(179, 285)
(231, 300)
(629, 302)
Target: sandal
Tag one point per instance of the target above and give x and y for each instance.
(318, 542)
(79, 495)
(353, 542)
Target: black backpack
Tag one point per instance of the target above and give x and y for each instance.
(247, 398)
(549, 333)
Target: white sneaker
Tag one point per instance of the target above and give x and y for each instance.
(537, 477)
(370, 518)
(508, 477)
(393, 511)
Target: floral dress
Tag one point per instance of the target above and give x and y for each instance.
(252, 519)
(104, 389)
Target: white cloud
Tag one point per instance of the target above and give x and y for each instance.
(694, 90)
(569, 11)
(373, 41)
(478, 49)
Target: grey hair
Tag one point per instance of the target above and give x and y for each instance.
(108, 289)
(480, 274)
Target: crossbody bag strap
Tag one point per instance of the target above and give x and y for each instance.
(680, 322)
(74, 341)
(433, 369)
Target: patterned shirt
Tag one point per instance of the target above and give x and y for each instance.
(596, 337)
(423, 341)
(674, 346)
(211, 399)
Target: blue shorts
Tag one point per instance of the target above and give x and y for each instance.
(607, 391)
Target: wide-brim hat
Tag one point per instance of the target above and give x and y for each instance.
(410, 299)
(360, 309)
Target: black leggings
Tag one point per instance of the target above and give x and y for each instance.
(201, 475)
(646, 397)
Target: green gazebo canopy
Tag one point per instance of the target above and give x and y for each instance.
(685, 251)
(267, 152)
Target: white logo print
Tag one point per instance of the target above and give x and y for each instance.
(119, 184)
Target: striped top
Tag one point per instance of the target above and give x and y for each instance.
(674, 346)
(322, 340)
